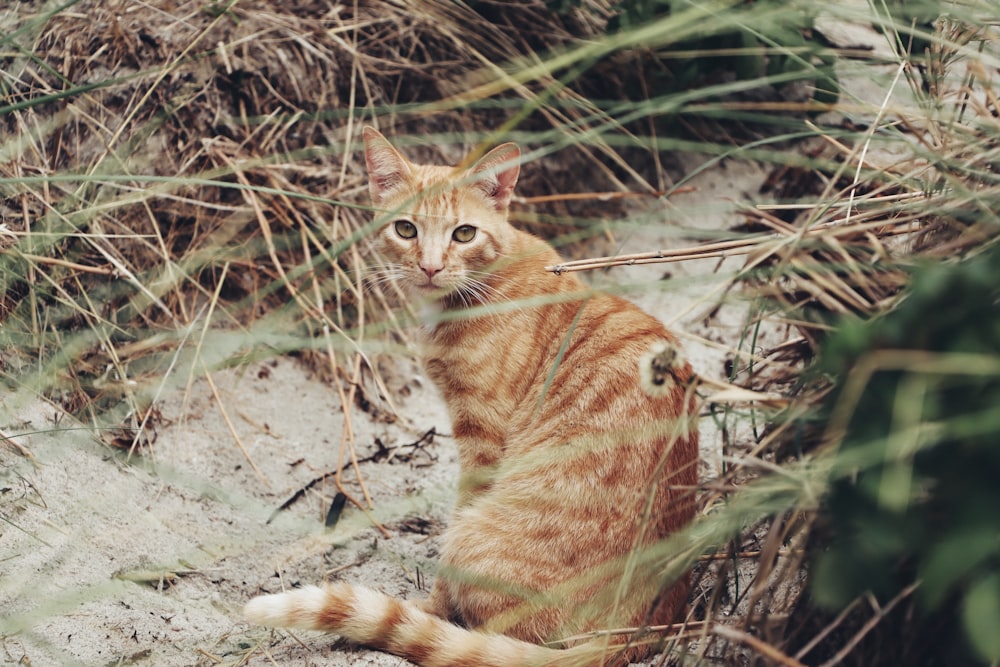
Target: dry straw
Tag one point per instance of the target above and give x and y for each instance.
(180, 191)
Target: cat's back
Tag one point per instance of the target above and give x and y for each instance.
(617, 375)
(591, 452)
(556, 352)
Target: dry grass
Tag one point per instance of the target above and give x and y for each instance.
(169, 169)
(180, 192)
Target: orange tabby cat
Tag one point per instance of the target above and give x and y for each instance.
(575, 433)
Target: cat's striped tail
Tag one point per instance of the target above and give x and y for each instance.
(366, 617)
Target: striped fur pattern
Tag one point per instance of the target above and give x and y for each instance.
(574, 422)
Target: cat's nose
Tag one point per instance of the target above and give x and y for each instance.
(431, 271)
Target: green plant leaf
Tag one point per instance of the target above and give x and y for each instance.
(956, 555)
(981, 615)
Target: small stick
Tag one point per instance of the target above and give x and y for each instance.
(347, 443)
(232, 430)
(214, 658)
(746, 554)
(758, 645)
(53, 261)
(427, 437)
(827, 630)
(155, 577)
(882, 199)
(20, 449)
(671, 627)
(718, 249)
(837, 228)
(300, 493)
(725, 392)
(868, 139)
(869, 626)
(600, 196)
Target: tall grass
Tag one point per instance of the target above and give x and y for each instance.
(182, 192)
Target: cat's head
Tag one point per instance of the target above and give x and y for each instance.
(445, 228)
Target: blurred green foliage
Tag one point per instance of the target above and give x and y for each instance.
(917, 492)
(738, 48)
(750, 40)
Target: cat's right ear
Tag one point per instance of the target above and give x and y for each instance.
(388, 171)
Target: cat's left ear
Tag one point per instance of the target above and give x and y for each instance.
(496, 174)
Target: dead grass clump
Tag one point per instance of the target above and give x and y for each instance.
(173, 172)
(192, 164)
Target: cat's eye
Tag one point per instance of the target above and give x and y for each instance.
(405, 229)
(464, 234)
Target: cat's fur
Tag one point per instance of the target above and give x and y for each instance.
(575, 431)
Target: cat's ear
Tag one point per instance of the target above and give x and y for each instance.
(387, 169)
(496, 174)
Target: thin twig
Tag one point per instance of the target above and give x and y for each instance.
(599, 196)
(868, 139)
(232, 430)
(759, 645)
(53, 261)
(670, 628)
(870, 625)
(782, 553)
(20, 449)
(725, 392)
(833, 625)
(726, 248)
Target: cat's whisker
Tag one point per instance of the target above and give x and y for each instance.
(381, 275)
(388, 266)
(479, 292)
(467, 300)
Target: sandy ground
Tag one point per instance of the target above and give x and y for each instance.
(107, 559)
(110, 560)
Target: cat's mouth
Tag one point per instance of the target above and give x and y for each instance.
(431, 288)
